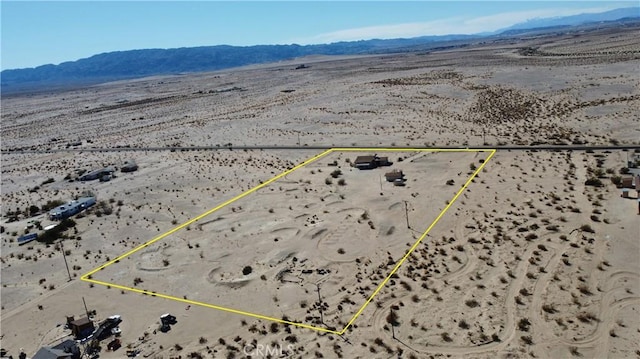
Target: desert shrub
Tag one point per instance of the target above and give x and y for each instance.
(51, 204)
(586, 317)
(553, 228)
(445, 336)
(247, 270)
(596, 182)
(616, 180)
(472, 303)
(53, 234)
(584, 289)
(524, 324)
(587, 228)
(33, 210)
(574, 351)
(392, 318)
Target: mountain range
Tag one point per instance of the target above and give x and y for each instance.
(120, 65)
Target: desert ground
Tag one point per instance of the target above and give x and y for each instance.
(528, 261)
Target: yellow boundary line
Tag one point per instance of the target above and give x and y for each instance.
(88, 276)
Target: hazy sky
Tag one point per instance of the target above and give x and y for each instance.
(44, 32)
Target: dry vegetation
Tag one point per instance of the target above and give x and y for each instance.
(537, 257)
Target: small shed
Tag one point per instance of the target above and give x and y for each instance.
(27, 238)
(625, 193)
(129, 166)
(81, 328)
(394, 175)
(626, 182)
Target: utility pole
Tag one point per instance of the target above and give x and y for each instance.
(627, 164)
(64, 256)
(381, 183)
(298, 138)
(393, 324)
(320, 304)
(85, 307)
(406, 214)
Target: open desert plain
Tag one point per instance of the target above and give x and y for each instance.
(250, 220)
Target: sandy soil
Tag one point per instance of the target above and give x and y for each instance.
(529, 261)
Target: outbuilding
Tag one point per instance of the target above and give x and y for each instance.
(81, 327)
(394, 176)
(370, 162)
(97, 174)
(129, 166)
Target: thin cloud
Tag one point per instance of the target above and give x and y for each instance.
(498, 21)
(454, 25)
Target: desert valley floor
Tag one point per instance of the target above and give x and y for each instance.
(538, 256)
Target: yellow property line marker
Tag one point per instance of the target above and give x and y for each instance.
(88, 276)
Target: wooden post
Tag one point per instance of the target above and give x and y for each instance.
(65, 259)
(406, 214)
(320, 303)
(393, 326)
(85, 307)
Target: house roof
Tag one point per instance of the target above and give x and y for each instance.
(50, 353)
(81, 321)
(63, 350)
(365, 159)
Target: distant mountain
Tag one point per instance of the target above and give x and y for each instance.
(120, 65)
(140, 63)
(574, 20)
